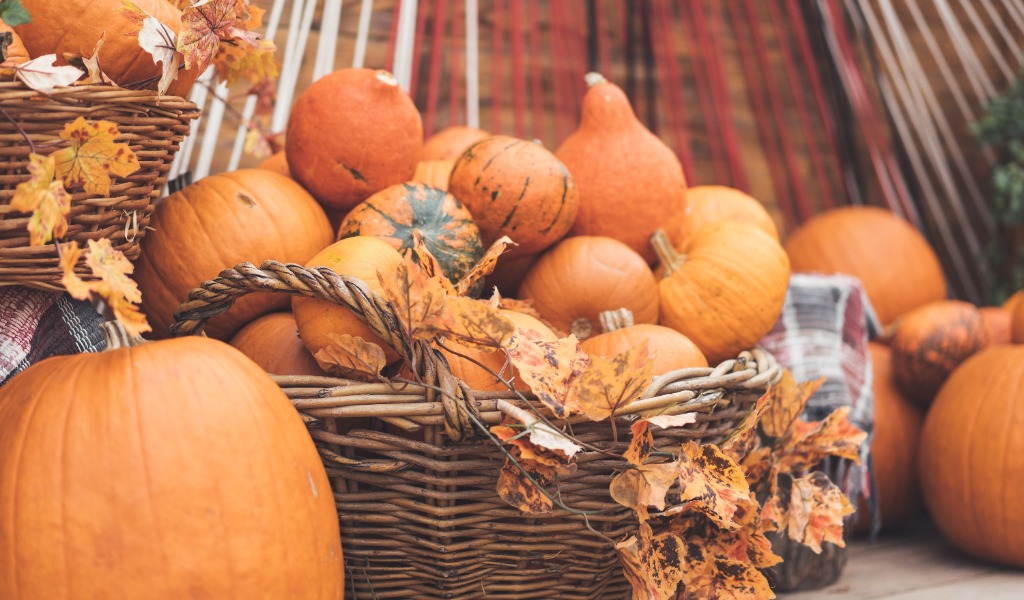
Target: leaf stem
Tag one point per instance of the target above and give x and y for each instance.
(31, 145)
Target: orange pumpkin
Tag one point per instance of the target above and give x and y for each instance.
(1011, 302)
(707, 204)
(16, 52)
(450, 143)
(151, 472)
(630, 182)
(998, 323)
(360, 257)
(972, 456)
(74, 27)
(723, 288)
(351, 134)
(434, 173)
(250, 215)
(898, 268)
(272, 341)
(1017, 323)
(894, 444)
(393, 213)
(277, 163)
(581, 277)
(930, 342)
(669, 349)
(515, 188)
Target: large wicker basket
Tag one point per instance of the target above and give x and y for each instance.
(420, 517)
(152, 125)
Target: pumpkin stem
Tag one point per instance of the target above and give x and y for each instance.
(582, 328)
(670, 258)
(387, 77)
(594, 78)
(613, 320)
(117, 336)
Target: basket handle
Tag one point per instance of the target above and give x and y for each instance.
(217, 295)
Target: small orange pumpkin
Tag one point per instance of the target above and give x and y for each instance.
(16, 51)
(670, 350)
(998, 323)
(272, 341)
(1017, 322)
(707, 204)
(450, 143)
(434, 173)
(278, 163)
(583, 276)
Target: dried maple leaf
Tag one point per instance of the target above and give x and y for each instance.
(666, 421)
(93, 156)
(160, 42)
(252, 63)
(609, 385)
(640, 444)
(484, 266)
(712, 483)
(653, 564)
(786, 403)
(45, 198)
(518, 491)
(351, 356)
(420, 254)
(809, 510)
(134, 15)
(808, 443)
(41, 75)
(418, 299)
(205, 25)
(709, 574)
(111, 269)
(550, 369)
(472, 323)
(643, 486)
(543, 438)
(744, 438)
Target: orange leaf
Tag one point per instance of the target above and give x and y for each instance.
(93, 155)
(744, 438)
(809, 443)
(653, 564)
(420, 254)
(351, 356)
(242, 61)
(484, 266)
(544, 440)
(134, 14)
(203, 27)
(551, 369)
(708, 574)
(611, 384)
(417, 298)
(712, 482)
(518, 491)
(641, 443)
(809, 509)
(45, 198)
(643, 486)
(787, 402)
(111, 269)
(472, 323)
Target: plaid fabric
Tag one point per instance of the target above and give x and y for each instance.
(35, 325)
(824, 331)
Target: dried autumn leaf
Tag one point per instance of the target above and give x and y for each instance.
(351, 356)
(45, 198)
(809, 443)
(551, 369)
(666, 421)
(518, 491)
(204, 26)
(420, 254)
(41, 75)
(161, 43)
(134, 15)
(484, 266)
(111, 269)
(93, 69)
(708, 574)
(235, 62)
(712, 483)
(417, 298)
(640, 444)
(609, 385)
(643, 486)
(93, 156)
(472, 323)
(809, 510)
(653, 564)
(787, 400)
(744, 438)
(543, 439)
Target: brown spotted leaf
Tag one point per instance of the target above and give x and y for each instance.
(653, 564)
(518, 491)
(744, 438)
(418, 299)
(471, 323)
(45, 198)
(113, 283)
(93, 156)
(712, 483)
(640, 444)
(609, 385)
(484, 266)
(351, 356)
(551, 369)
(420, 254)
(709, 574)
(809, 510)
(644, 486)
(204, 26)
(787, 400)
(540, 440)
(810, 442)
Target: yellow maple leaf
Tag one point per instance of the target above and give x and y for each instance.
(610, 384)
(111, 270)
(93, 156)
(243, 61)
(351, 356)
(45, 198)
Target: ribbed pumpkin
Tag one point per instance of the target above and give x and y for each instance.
(930, 342)
(360, 257)
(630, 182)
(972, 456)
(894, 445)
(451, 142)
(434, 173)
(277, 163)
(175, 469)
(707, 204)
(272, 342)
(74, 27)
(351, 134)
(723, 288)
(998, 323)
(516, 188)
(393, 213)
(669, 349)
(898, 268)
(583, 276)
(249, 215)
(16, 53)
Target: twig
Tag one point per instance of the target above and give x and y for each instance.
(31, 145)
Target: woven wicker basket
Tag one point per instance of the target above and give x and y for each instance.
(420, 516)
(152, 125)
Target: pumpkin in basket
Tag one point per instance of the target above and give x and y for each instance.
(173, 469)
(249, 215)
(74, 27)
(670, 350)
(272, 342)
(15, 54)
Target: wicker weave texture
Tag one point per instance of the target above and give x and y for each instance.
(420, 515)
(153, 126)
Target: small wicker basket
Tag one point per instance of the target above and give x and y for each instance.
(152, 125)
(420, 517)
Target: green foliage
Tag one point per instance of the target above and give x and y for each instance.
(13, 13)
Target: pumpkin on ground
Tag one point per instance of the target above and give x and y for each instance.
(894, 443)
(972, 456)
(669, 349)
(174, 469)
(723, 287)
(360, 257)
(74, 26)
(344, 156)
(630, 183)
(272, 342)
(583, 276)
(898, 268)
(707, 204)
(998, 323)
(434, 173)
(1017, 323)
(393, 213)
(450, 143)
(250, 215)
(930, 342)
(15, 53)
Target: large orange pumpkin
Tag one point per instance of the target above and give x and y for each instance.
(249, 215)
(630, 182)
(360, 257)
(898, 268)
(74, 27)
(16, 52)
(723, 288)
(999, 324)
(272, 342)
(669, 349)
(175, 469)
(707, 204)
(583, 276)
(1017, 323)
(972, 456)
(352, 133)
(450, 143)
(516, 188)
